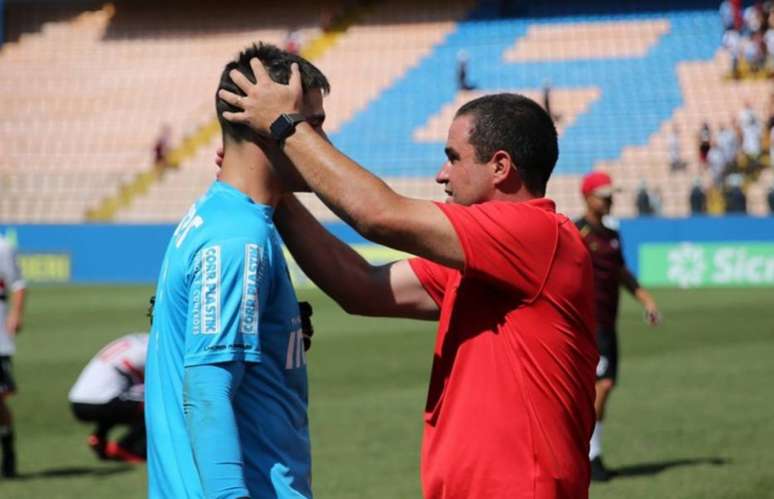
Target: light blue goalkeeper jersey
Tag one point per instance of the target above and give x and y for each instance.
(224, 294)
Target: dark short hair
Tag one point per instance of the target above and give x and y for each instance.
(519, 126)
(277, 63)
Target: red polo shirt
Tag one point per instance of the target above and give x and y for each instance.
(510, 408)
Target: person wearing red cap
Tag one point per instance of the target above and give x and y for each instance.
(510, 406)
(610, 273)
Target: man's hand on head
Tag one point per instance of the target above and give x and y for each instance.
(265, 100)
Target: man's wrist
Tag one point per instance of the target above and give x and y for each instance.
(285, 126)
(301, 129)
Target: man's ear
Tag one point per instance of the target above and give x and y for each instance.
(502, 167)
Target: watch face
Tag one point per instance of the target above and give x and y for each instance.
(285, 125)
(281, 127)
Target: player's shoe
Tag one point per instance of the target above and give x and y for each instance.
(598, 471)
(98, 445)
(118, 453)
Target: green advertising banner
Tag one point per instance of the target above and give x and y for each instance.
(691, 265)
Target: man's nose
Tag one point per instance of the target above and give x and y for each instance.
(443, 174)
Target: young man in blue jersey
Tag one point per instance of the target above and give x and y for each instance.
(226, 383)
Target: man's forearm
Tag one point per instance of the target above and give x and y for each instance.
(644, 297)
(332, 265)
(357, 196)
(629, 282)
(17, 303)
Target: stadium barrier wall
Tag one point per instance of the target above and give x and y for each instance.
(733, 251)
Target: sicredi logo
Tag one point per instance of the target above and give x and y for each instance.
(248, 322)
(690, 265)
(734, 265)
(686, 265)
(210, 296)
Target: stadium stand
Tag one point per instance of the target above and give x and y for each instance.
(84, 98)
(622, 78)
(401, 32)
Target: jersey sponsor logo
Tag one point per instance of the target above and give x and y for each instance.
(196, 297)
(210, 294)
(250, 313)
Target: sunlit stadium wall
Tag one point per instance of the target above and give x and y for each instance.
(690, 252)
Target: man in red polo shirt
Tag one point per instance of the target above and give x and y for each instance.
(610, 273)
(510, 403)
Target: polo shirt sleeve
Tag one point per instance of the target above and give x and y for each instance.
(228, 286)
(619, 252)
(511, 245)
(432, 276)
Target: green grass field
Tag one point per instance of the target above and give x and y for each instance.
(693, 416)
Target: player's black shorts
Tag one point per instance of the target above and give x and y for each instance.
(607, 344)
(116, 411)
(7, 383)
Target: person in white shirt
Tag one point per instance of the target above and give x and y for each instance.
(728, 143)
(12, 287)
(753, 19)
(716, 162)
(732, 42)
(676, 161)
(751, 136)
(110, 392)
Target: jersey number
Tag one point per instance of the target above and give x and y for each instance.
(296, 356)
(190, 221)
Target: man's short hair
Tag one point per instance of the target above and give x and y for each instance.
(519, 126)
(277, 63)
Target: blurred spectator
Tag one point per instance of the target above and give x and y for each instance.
(747, 113)
(753, 18)
(327, 18)
(717, 164)
(771, 147)
(751, 135)
(161, 147)
(292, 42)
(770, 200)
(736, 201)
(698, 199)
(728, 144)
(732, 42)
(643, 201)
(754, 52)
(768, 41)
(462, 72)
(705, 139)
(656, 201)
(676, 161)
(726, 14)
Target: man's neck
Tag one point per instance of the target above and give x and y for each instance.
(520, 196)
(247, 169)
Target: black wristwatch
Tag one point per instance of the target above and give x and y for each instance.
(284, 126)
